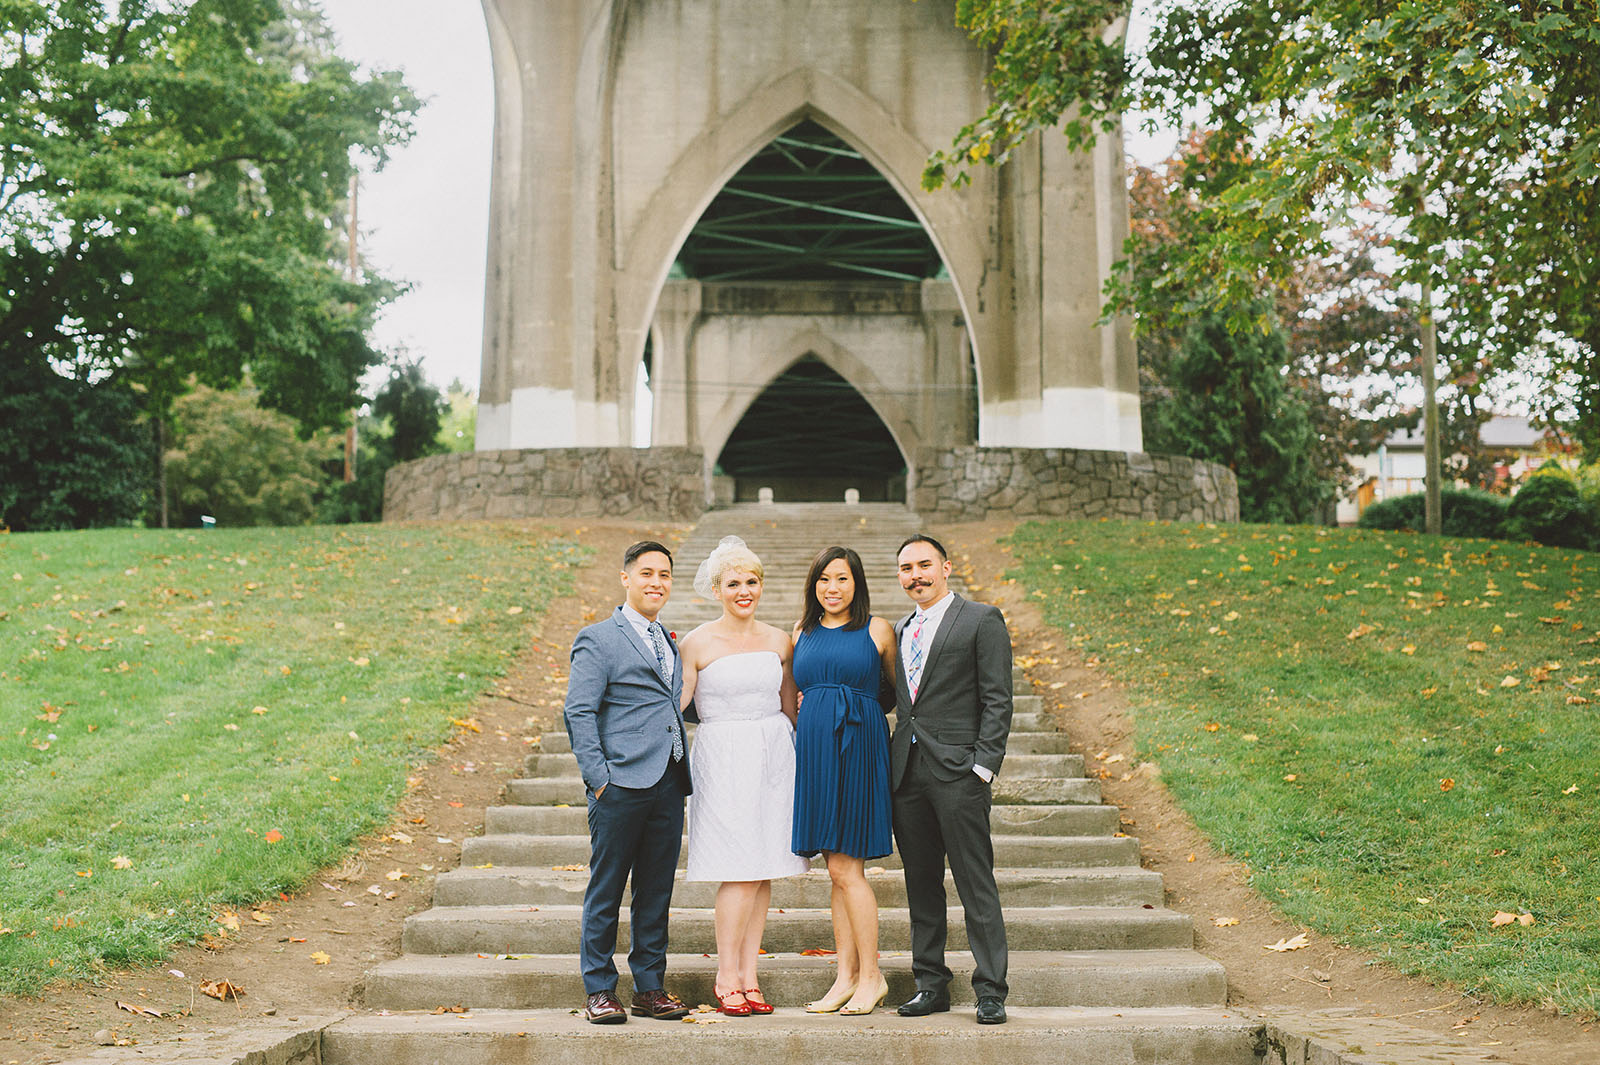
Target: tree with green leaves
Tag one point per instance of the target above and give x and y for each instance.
(172, 177)
(403, 422)
(1471, 130)
(241, 463)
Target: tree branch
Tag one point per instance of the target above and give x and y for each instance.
(221, 160)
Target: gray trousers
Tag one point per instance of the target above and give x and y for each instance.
(935, 819)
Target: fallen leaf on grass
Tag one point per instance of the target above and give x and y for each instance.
(1282, 945)
(1446, 784)
(221, 990)
(1501, 918)
(1224, 922)
(122, 861)
(273, 837)
(1477, 646)
(466, 723)
(143, 1011)
(320, 957)
(229, 920)
(1510, 681)
(1360, 631)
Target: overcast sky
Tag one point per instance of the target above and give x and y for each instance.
(424, 218)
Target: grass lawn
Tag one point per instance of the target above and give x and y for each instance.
(195, 720)
(1397, 734)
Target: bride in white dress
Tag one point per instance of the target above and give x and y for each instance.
(740, 816)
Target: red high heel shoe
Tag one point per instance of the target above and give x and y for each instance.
(759, 1006)
(732, 1009)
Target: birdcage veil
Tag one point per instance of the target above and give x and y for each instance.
(731, 551)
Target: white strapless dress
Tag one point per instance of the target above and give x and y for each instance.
(740, 817)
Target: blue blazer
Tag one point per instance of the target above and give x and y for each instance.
(619, 711)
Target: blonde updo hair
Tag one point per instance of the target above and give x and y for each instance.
(731, 553)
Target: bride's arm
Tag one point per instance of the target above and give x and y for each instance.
(788, 693)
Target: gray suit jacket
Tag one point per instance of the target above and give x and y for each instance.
(619, 711)
(962, 714)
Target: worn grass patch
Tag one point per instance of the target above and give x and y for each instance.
(195, 720)
(1397, 734)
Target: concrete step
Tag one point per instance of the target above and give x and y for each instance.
(1123, 978)
(1033, 1036)
(1007, 789)
(1030, 766)
(1003, 820)
(554, 929)
(1019, 743)
(543, 886)
(1014, 852)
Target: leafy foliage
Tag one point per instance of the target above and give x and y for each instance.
(170, 186)
(1463, 512)
(1230, 403)
(241, 463)
(73, 452)
(405, 423)
(1548, 510)
(1470, 131)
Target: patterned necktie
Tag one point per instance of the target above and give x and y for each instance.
(914, 670)
(660, 647)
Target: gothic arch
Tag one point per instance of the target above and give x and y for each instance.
(839, 359)
(691, 181)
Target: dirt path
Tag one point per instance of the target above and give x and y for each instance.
(339, 915)
(1203, 883)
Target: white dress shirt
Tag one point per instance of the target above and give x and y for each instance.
(641, 625)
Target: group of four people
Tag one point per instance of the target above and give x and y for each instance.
(793, 758)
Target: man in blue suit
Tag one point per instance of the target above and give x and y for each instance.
(622, 716)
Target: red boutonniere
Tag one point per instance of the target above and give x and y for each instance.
(672, 636)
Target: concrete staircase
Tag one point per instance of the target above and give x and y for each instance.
(1100, 969)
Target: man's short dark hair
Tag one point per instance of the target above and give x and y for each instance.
(643, 547)
(923, 538)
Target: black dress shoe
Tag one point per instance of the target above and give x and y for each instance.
(991, 1011)
(604, 1007)
(925, 1002)
(661, 1004)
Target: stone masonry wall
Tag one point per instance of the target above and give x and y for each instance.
(664, 483)
(981, 483)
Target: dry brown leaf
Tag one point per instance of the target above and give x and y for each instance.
(450, 1009)
(397, 874)
(321, 957)
(229, 920)
(260, 918)
(1501, 918)
(1360, 630)
(569, 868)
(122, 861)
(1478, 646)
(143, 1011)
(1525, 920)
(222, 990)
(1446, 784)
(1509, 681)
(1224, 922)
(1282, 945)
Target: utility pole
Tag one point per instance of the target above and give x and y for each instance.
(353, 268)
(1433, 522)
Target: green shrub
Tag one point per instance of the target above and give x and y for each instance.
(1462, 512)
(1549, 510)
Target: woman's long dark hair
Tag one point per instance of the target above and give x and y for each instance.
(860, 606)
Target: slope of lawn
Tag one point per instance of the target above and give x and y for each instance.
(1397, 735)
(190, 720)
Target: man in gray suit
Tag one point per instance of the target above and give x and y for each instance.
(622, 716)
(954, 698)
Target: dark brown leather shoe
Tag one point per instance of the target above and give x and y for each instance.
(604, 1007)
(661, 1004)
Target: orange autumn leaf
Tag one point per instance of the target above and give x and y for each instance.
(1447, 783)
(273, 836)
(1478, 646)
(222, 990)
(817, 952)
(1501, 918)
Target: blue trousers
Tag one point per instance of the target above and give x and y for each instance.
(633, 832)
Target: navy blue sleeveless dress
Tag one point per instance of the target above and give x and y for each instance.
(841, 778)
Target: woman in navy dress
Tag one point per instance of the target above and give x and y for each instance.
(841, 800)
